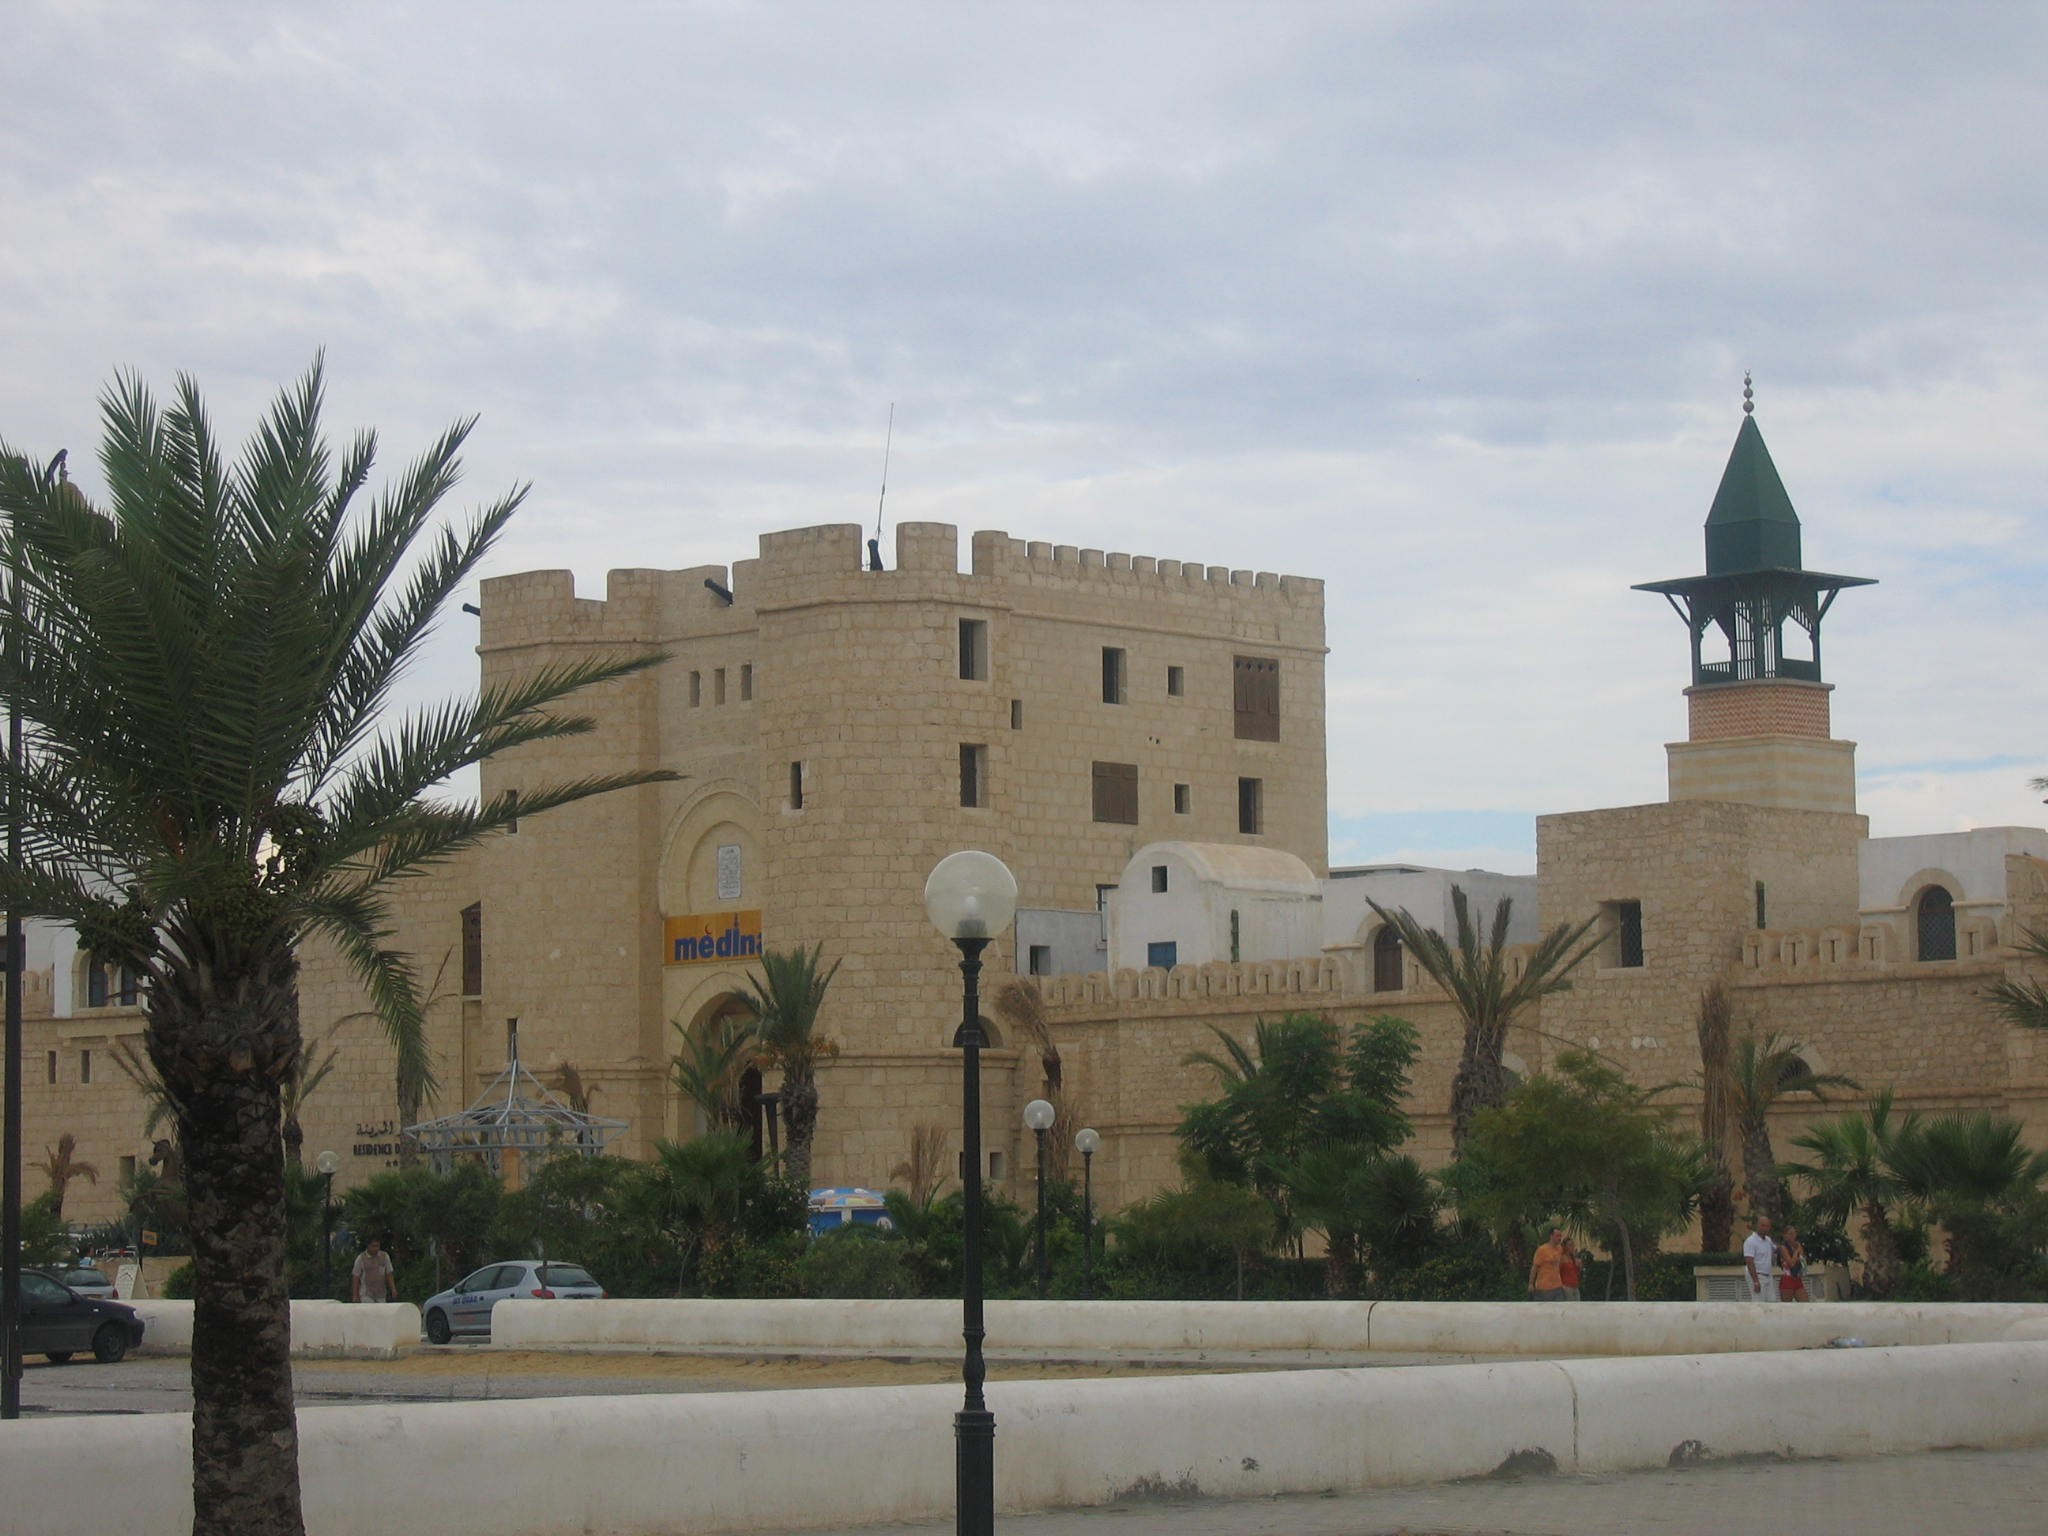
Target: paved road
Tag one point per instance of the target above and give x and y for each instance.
(1939, 1493)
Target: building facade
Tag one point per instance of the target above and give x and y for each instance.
(1142, 741)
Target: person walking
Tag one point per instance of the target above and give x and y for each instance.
(1569, 1270)
(1792, 1267)
(1546, 1278)
(1759, 1255)
(372, 1279)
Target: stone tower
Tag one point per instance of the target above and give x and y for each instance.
(1758, 729)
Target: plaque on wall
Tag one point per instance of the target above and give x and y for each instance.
(729, 872)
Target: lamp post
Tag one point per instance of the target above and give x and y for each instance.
(971, 897)
(327, 1162)
(10, 1096)
(1039, 1116)
(1086, 1141)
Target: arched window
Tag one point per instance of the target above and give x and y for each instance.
(1386, 960)
(1937, 924)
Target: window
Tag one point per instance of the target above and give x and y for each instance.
(746, 682)
(1041, 960)
(1016, 714)
(1116, 792)
(512, 805)
(127, 991)
(696, 689)
(1388, 971)
(1255, 698)
(974, 650)
(473, 950)
(1625, 918)
(1112, 674)
(85, 1066)
(973, 775)
(53, 1066)
(1761, 909)
(128, 1170)
(1937, 925)
(1102, 914)
(1236, 936)
(995, 1167)
(796, 786)
(1183, 798)
(1164, 956)
(718, 686)
(1159, 879)
(1251, 806)
(95, 984)
(1176, 682)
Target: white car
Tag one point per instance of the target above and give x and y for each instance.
(465, 1308)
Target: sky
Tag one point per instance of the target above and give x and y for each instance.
(1447, 304)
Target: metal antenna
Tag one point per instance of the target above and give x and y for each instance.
(875, 544)
(1748, 396)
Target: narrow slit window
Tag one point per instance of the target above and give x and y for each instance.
(696, 689)
(1176, 682)
(1183, 799)
(746, 682)
(1112, 674)
(1159, 879)
(85, 1066)
(53, 1066)
(796, 786)
(1251, 806)
(973, 775)
(718, 686)
(1016, 714)
(974, 650)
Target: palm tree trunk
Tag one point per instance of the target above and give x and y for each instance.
(1880, 1252)
(1766, 1193)
(800, 1122)
(1480, 1082)
(222, 1064)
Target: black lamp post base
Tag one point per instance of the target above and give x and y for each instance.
(974, 1444)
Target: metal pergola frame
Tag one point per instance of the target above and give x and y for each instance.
(516, 1113)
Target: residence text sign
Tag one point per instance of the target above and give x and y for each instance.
(712, 938)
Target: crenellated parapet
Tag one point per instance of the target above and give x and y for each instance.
(1309, 982)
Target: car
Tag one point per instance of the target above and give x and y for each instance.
(89, 1280)
(58, 1322)
(465, 1308)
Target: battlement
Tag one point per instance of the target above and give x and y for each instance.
(829, 563)
(1314, 981)
(1869, 948)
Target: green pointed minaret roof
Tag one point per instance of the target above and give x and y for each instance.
(1754, 586)
(1752, 526)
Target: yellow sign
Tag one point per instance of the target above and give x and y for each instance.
(707, 938)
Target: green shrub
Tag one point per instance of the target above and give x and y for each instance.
(178, 1283)
(855, 1263)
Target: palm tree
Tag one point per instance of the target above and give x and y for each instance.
(60, 1167)
(1761, 1072)
(201, 666)
(924, 1170)
(787, 993)
(710, 1068)
(703, 1184)
(1717, 1122)
(1851, 1171)
(307, 1073)
(2024, 1003)
(137, 1069)
(1476, 978)
(1969, 1170)
(1020, 1004)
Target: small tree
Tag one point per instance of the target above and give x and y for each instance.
(710, 1066)
(1851, 1172)
(1588, 1149)
(1761, 1071)
(60, 1167)
(1475, 975)
(788, 993)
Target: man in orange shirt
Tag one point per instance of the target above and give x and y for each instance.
(1546, 1270)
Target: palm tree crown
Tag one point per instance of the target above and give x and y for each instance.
(785, 998)
(1486, 990)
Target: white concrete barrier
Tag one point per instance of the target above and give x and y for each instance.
(319, 1328)
(1232, 1327)
(778, 1461)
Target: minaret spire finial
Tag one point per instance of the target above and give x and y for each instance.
(1748, 395)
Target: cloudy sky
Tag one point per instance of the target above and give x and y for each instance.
(1447, 304)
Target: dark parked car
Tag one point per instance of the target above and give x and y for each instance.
(58, 1322)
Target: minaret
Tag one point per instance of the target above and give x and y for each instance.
(1758, 728)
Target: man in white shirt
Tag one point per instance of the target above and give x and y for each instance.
(1758, 1254)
